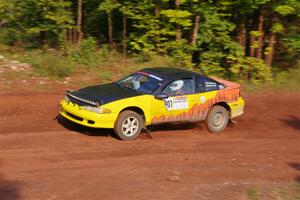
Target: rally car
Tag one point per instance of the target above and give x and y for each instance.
(153, 96)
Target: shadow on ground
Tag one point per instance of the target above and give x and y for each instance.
(292, 121)
(109, 132)
(295, 165)
(9, 190)
(83, 129)
(174, 127)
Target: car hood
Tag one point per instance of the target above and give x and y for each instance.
(101, 94)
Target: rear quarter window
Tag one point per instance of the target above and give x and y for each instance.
(206, 84)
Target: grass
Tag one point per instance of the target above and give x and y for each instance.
(103, 66)
(284, 192)
(46, 64)
(253, 194)
(288, 81)
(98, 65)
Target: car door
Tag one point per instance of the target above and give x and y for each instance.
(181, 98)
(206, 92)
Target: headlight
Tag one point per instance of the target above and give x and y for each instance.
(96, 109)
(67, 99)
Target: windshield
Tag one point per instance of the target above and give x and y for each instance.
(141, 82)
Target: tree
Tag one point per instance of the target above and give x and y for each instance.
(44, 21)
(108, 6)
(279, 11)
(125, 11)
(232, 38)
(79, 21)
(197, 11)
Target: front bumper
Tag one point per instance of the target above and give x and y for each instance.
(76, 114)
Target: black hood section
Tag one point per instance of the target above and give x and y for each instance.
(102, 94)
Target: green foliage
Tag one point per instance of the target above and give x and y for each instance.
(292, 42)
(180, 17)
(55, 68)
(84, 55)
(287, 80)
(277, 28)
(48, 63)
(109, 5)
(105, 76)
(220, 54)
(253, 194)
(289, 191)
(146, 25)
(153, 29)
(250, 69)
(37, 20)
(10, 36)
(210, 67)
(255, 33)
(284, 9)
(180, 51)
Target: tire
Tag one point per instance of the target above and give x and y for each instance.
(129, 131)
(217, 119)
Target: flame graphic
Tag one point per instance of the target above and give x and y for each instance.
(199, 111)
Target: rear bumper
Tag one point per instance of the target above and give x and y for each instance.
(237, 108)
(75, 114)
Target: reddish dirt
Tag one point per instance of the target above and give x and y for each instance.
(42, 157)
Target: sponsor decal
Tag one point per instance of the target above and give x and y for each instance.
(210, 84)
(199, 111)
(176, 103)
(202, 99)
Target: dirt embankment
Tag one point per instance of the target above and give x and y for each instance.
(42, 158)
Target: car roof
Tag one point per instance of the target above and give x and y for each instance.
(170, 72)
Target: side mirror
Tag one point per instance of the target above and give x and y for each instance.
(161, 96)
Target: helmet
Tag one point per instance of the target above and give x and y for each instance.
(136, 84)
(176, 85)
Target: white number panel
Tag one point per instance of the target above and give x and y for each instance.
(177, 103)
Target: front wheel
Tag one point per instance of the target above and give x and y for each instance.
(128, 125)
(217, 119)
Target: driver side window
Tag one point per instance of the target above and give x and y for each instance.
(180, 87)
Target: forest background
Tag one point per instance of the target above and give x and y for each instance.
(256, 42)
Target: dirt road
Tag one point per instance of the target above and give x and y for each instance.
(43, 158)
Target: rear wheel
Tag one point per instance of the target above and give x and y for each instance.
(128, 125)
(217, 119)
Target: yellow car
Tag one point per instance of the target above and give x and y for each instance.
(153, 96)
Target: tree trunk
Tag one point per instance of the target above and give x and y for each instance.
(2, 22)
(195, 30)
(259, 51)
(79, 22)
(110, 32)
(124, 35)
(42, 38)
(178, 27)
(69, 35)
(252, 45)
(75, 35)
(157, 14)
(242, 37)
(270, 56)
